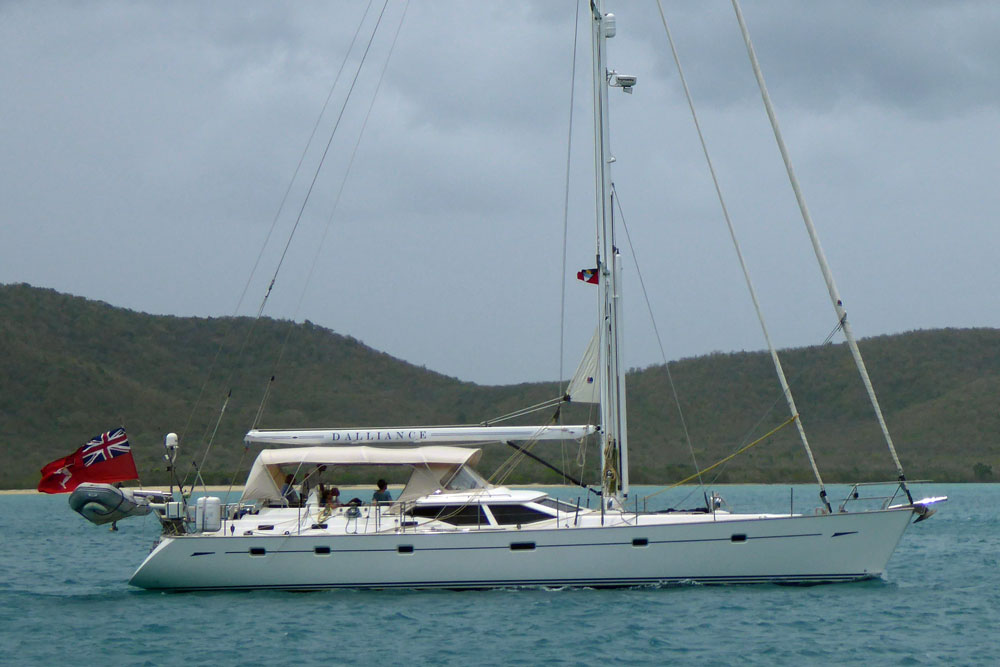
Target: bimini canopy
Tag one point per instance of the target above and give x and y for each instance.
(416, 435)
(266, 476)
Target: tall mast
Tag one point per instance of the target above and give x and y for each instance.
(614, 429)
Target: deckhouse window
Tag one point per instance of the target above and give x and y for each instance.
(456, 515)
(464, 479)
(563, 508)
(509, 515)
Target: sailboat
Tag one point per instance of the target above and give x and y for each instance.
(451, 528)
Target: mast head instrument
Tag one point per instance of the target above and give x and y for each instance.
(624, 81)
(610, 25)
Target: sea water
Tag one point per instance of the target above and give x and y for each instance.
(64, 599)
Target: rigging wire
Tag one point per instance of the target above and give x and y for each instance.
(563, 276)
(566, 476)
(569, 151)
(298, 218)
(309, 142)
(792, 409)
(199, 467)
(726, 459)
(742, 446)
(322, 160)
(537, 407)
(838, 305)
(507, 467)
(656, 331)
(336, 203)
(236, 471)
(274, 223)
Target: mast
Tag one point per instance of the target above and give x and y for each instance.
(614, 429)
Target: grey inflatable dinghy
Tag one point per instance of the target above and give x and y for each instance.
(104, 503)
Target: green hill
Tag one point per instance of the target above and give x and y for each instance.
(74, 367)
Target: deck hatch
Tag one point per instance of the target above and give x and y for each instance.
(456, 515)
(515, 515)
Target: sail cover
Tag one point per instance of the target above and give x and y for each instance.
(584, 387)
(419, 435)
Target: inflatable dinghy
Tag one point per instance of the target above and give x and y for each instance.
(104, 503)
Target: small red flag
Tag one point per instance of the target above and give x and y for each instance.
(106, 458)
(588, 276)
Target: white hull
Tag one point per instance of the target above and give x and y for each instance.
(664, 548)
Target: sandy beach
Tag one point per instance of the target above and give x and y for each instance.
(223, 488)
(210, 488)
(20, 492)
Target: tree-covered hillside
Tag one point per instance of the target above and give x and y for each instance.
(72, 368)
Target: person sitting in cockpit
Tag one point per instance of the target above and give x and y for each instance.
(288, 493)
(331, 498)
(311, 481)
(382, 494)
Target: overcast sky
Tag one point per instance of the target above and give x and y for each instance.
(145, 149)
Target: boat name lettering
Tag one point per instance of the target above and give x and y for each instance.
(376, 436)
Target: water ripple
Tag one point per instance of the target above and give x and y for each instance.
(63, 596)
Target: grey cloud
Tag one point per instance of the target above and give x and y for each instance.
(164, 135)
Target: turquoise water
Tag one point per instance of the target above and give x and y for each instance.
(64, 598)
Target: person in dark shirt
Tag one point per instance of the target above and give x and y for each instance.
(382, 494)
